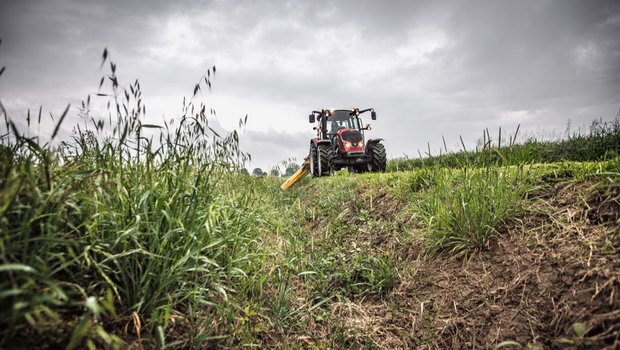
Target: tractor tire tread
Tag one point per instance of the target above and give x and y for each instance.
(314, 166)
(378, 159)
(326, 159)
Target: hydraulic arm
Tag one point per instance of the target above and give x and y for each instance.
(301, 172)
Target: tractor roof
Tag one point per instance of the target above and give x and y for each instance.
(340, 114)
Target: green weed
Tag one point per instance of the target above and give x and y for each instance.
(465, 207)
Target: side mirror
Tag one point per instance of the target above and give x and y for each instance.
(311, 118)
(367, 127)
(373, 115)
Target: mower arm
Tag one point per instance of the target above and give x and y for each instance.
(303, 171)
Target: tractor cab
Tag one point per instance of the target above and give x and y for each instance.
(346, 132)
(331, 121)
(342, 120)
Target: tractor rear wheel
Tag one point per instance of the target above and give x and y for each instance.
(378, 161)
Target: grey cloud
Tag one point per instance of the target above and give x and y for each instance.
(429, 68)
(278, 146)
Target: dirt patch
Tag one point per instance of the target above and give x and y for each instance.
(604, 204)
(551, 279)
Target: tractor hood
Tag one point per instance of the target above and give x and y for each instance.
(351, 142)
(351, 135)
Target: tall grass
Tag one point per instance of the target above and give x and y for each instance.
(121, 227)
(602, 141)
(464, 197)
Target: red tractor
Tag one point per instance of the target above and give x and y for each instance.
(340, 143)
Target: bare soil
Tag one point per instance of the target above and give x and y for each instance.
(549, 279)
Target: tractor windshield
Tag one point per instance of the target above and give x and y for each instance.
(342, 119)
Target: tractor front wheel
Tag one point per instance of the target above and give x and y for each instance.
(326, 160)
(314, 163)
(321, 160)
(377, 162)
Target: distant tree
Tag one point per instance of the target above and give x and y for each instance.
(275, 172)
(258, 172)
(291, 169)
(244, 171)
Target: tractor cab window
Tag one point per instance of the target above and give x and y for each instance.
(341, 119)
(354, 122)
(334, 125)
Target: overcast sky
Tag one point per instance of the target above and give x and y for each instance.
(429, 68)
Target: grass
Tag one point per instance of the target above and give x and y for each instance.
(465, 207)
(601, 141)
(132, 234)
(153, 230)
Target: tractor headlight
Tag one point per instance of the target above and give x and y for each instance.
(347, 144)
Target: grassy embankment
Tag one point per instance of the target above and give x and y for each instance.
(110, 240)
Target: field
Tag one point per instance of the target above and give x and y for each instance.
(113, 240)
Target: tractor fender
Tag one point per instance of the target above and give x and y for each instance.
(373, 141)
(318, 142)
